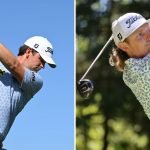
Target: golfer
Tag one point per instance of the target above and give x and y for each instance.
(131, 55)
(19, 80)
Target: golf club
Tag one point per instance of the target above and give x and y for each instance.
(85, 86)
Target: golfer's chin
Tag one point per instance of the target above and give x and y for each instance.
(37, 69)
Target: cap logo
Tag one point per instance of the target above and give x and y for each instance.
(49, 50)
(131, 20)
(119, 36)
(36, 45)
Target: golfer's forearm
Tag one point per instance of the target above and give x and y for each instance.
(11, 62)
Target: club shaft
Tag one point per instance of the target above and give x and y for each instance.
(99, 54)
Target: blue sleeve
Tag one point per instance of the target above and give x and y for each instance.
(31, 83)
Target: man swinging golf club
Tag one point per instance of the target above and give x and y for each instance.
(19, 80)
(131, 56)
(131, 34)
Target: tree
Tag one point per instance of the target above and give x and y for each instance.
(111, 118)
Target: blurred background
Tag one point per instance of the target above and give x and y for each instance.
(112, 118)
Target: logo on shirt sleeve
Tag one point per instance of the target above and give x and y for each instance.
(33, 76)
(1, 72)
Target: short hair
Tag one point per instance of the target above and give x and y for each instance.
(23, 48)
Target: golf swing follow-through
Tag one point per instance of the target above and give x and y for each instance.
(19, 78)
(130, 55)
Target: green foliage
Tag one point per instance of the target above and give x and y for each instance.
(112, 118)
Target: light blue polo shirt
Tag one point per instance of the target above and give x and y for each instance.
(13, 96)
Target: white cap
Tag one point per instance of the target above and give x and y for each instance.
(43, 47)
(126, 25)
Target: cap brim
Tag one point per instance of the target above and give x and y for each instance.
(52, 65)
(49, 60)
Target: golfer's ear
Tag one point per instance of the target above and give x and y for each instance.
(123, 46)
(28, 51)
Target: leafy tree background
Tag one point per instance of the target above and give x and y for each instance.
(112, 118)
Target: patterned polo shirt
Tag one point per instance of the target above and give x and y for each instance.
(136, 76)
(13, 96)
